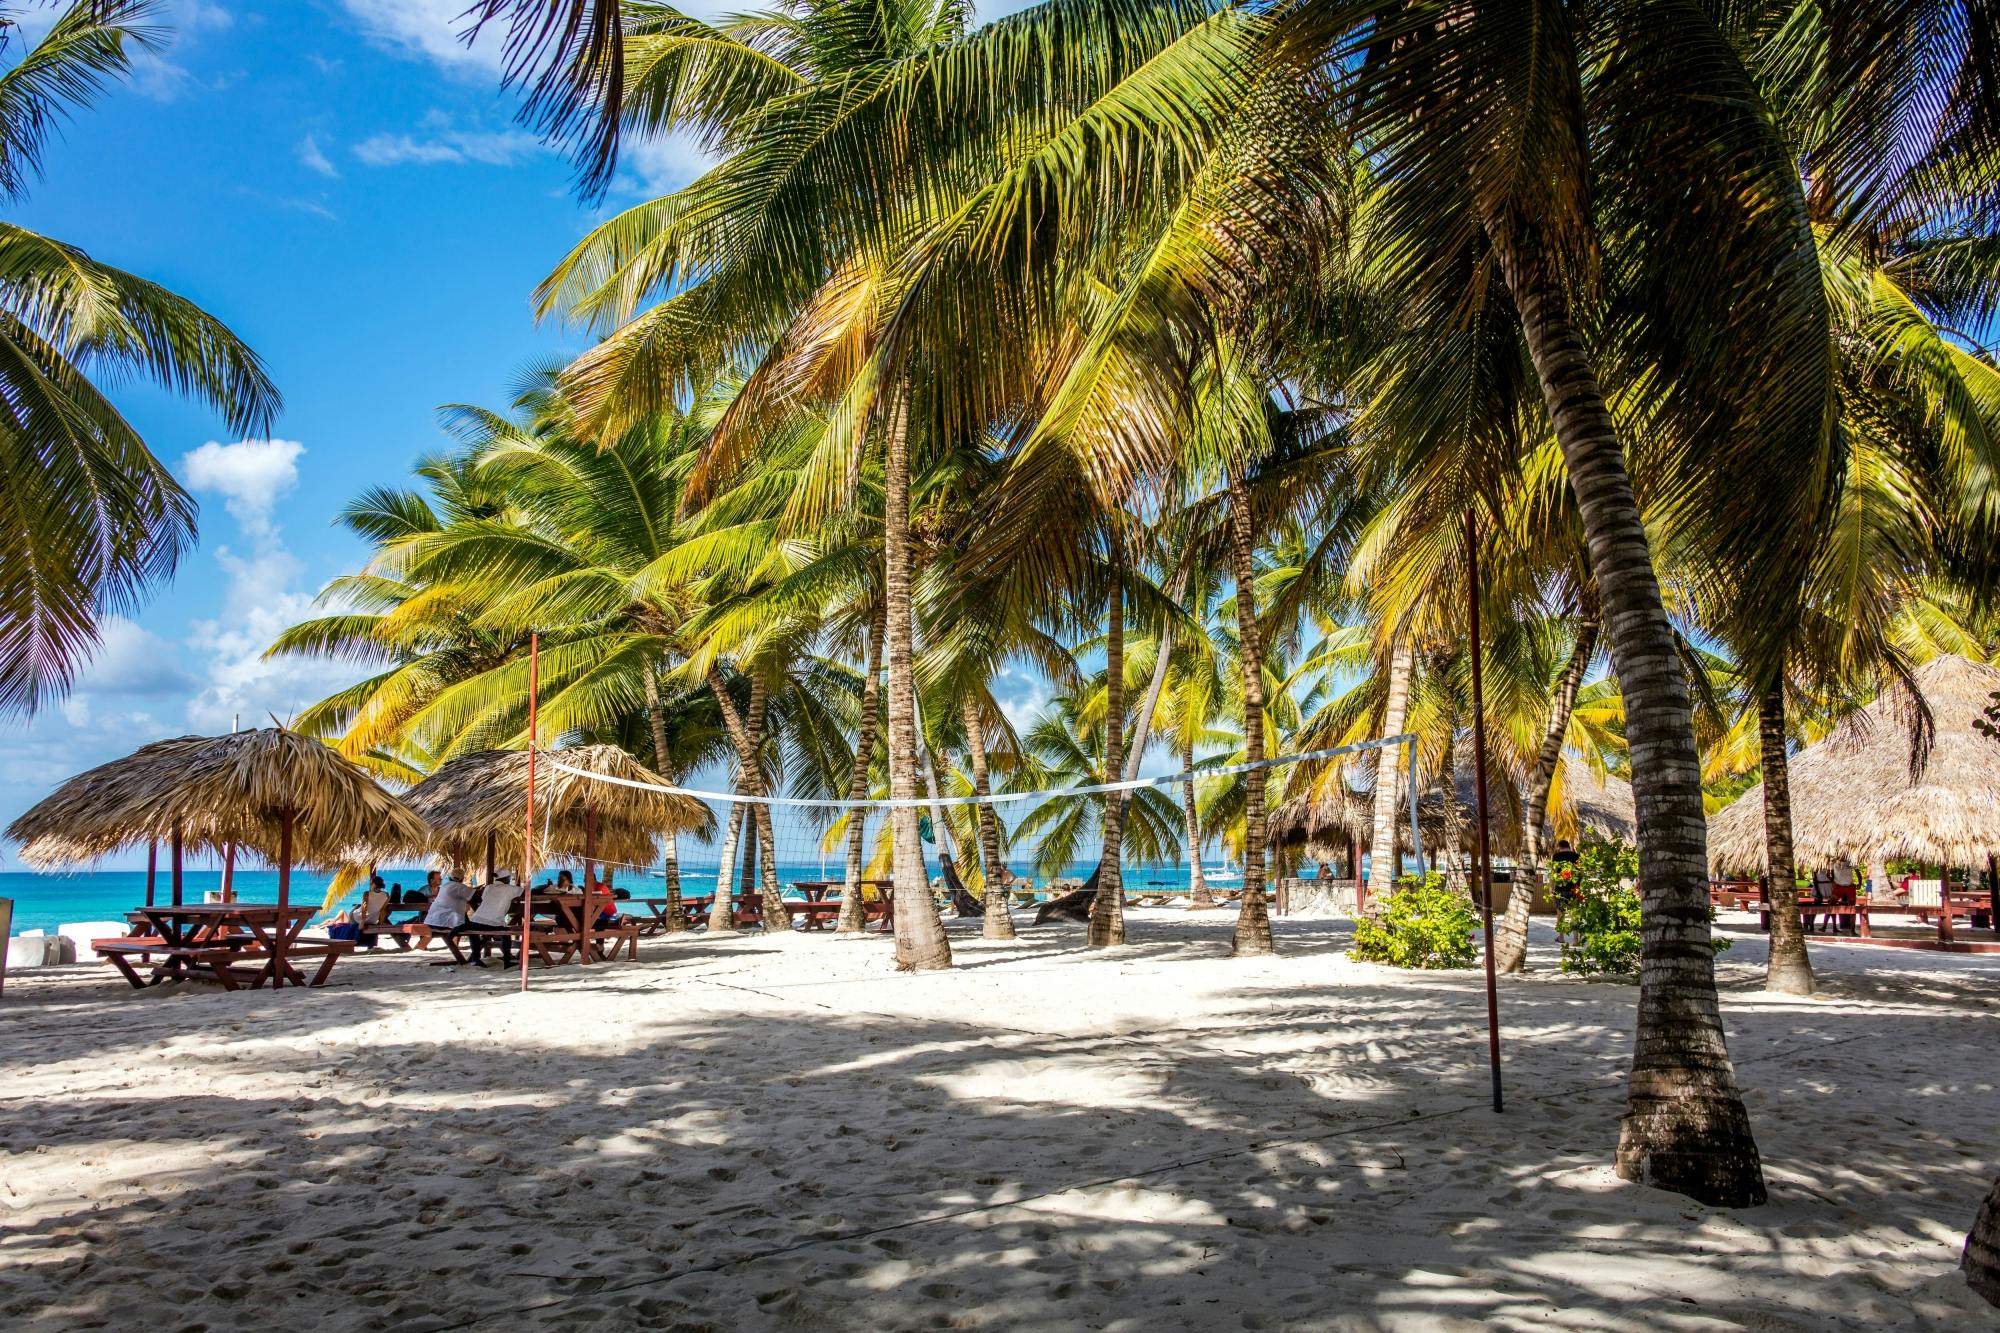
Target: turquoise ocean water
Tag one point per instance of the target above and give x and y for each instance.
(46, 901)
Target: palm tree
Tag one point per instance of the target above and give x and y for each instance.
(89, 517)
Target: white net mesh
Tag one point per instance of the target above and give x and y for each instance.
(1180, 837)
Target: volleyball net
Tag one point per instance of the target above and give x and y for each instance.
(1180, 834)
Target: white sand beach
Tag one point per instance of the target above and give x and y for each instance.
(783, 1134)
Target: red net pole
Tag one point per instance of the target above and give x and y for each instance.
(528, 839)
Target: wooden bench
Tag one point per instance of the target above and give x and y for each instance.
(818, 916)
(230, 964)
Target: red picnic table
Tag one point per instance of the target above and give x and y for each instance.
(227, 942)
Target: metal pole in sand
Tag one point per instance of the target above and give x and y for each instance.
(1479, 799)
(528, 829)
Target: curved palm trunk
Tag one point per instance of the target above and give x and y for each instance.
(1107, 911)
(1198, 894)
(1981, 1260)
(721, 915)
(1142, 721)
(1253, 922)
(671, 850)
(921, 945)
(1685, 1127)
(1382, 860)
(1788, 970)
(746, 735)
(1510, 944)
(852, 916)
(998, 922)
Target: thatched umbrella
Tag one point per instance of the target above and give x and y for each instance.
(473, 805)
(1331, 820)
(1857, 796)
(286, 796)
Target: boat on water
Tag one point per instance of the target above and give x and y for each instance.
(1226, 874)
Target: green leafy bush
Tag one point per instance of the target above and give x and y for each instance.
(1600, 923)
(1424, 924)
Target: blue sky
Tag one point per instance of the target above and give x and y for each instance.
(342, 182)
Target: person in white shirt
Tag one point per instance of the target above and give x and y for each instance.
(450, 900)
(496, 900)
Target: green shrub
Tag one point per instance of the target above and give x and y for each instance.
(1600, 924)
(1424, 924)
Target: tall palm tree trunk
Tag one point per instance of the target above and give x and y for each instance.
(1198, 892)
(656, 712)
(746, 735)
(1142, 721)
(1685, 1127)
(1382, 860)
(1981, 1260)
(1107, 913)
(921, 945)
(1510, 944)
(1253, 922)
(1788, 970)
(852, 915)
(998, 921)
(721, 916)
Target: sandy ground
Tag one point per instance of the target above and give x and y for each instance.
(783, 1134)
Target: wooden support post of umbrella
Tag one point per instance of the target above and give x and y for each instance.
(152, 867)
(229, 872)
(177, 863)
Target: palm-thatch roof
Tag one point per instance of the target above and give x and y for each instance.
(482, 795)
(1855, 795)
(1582, 803)
(221, 790)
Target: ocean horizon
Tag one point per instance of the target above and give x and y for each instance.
(47, 900)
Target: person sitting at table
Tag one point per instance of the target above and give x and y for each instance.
(372, 913)
(1842, 896)
(449, 901)
(1822, 892)
(495, 905)
(607, 902)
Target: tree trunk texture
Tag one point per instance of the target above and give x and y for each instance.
(671, 851)
(1982, 1248)
(1107, 911)
(1142, 721)
(853, 915)
(1383, 862)
(1510, 944)
(998, 920)
(747, 735)
(721, 915)
(921, 945)
(1198, 891)
(1685, 1127)
(1253, 922)
(1789, 969)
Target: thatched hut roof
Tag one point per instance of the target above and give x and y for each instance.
(1854, 795)
(1583, 804)
(220, 790)
(483, 794)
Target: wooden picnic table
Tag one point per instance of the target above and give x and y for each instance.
(227, 942)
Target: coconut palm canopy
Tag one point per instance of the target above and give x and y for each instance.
(485, 794)
(1855, 794)
(221, 790)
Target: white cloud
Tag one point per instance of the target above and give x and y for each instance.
(250, 475)
(315, 160)
(439, 141)
(432, 29)
(662, 164)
